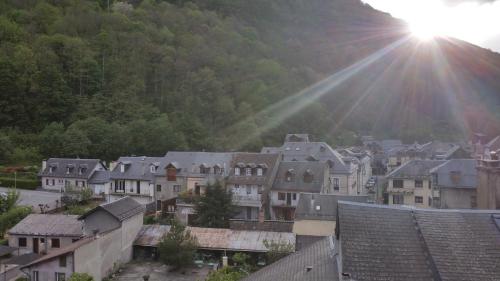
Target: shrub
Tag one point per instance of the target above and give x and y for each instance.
(75, 210)
(277, 250)
(12, 217)
(80, 277)
(177, 247)
(20, 183)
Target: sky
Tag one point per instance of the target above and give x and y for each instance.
(475, 21)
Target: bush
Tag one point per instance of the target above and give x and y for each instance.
(149, 220)
(20, 183)
(22, 279)
(80, 277)
(12, 217)
(75, 210)
(177, 247)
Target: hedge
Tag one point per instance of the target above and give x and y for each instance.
(21, 183)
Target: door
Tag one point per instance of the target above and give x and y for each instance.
(138, 187)
(289, 199)
(35, 246)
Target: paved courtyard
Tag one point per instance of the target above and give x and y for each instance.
(35, 197)
(134, 271)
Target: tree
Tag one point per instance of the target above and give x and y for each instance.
(8, 201)
(226, 274)
(178, 246)
(215, 207)
(80, 277)
(277, 250)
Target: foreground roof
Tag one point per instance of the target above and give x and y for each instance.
(398, 243)
(313, 206)
(120, 209)
(49, 225)
(314, 263)
(415, 169)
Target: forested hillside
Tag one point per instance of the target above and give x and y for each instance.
(104, 79)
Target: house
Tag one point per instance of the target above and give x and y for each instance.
(375, 242)
(363, 159)
(342, 170)
(187, 174)
(59, 173)
(134, 176)
(456, 182)
(488, 185)
(100, 183)
(411, 184)
(250, 178)
(316, 214)
(44, 233)
(293, 178)
(109, 229)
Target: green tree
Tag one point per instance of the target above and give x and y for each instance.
(215, 207)
(278, 250)
(80, 277)
(226, 274)
(8, 201)
(178, 247)
(51, 140)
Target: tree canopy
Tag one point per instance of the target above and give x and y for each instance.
(178, 246)
(215, 207)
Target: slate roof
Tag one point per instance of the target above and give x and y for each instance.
(121, 209)
(464, 168)
(136, 168)
(49, 225)
(319, 257)
(307, 207)
(415, 169)
(60, 168)
(299, 169)
(188, 163)
(269, 161)
(399, 243)
(439, 150)
(100, 177)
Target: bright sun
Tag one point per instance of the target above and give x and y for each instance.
(424, 31)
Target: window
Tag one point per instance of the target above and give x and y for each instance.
(46, 181)
(248, 171)
(236, 171)
(35, 275)
(290, 175)
(249, 189)
(83, 183)
(419, 183)
(397, 183)
(171, 174)
(122, 168)
(398, 199)
(53, 182)
(60, 276)
(158, 188)
(281, 196)
(294, 196)
(153, 169)
(419, 199)
(55, 243)
(22, 241)
(62, 261)
(259, 172)
(158, 205)
(177, 188)
(336, 184)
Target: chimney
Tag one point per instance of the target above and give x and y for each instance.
(44, 165)
(112, 165)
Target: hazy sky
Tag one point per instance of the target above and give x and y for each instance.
(475, 21)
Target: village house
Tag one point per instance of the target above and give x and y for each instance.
(250, 179)
(293, 178)
(109, 229)
(133, 176)
(456, 182)
(60, 173)
(100, 183)
(342, 170)
(411, 184)
(44, 233)
(488, 188)
(363, 159)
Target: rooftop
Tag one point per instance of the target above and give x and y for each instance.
(48, 225)
(136, 168)
(121, 209)
(297, 181)
(415, 169)
(322, 206)
(78, 168)
(456, 173)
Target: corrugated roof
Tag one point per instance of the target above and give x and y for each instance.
(150, 235)
(50, 225)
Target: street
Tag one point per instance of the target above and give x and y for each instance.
(35, 197)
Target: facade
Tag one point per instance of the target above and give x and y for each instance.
(100, 183)
(488, 188)
(293, 178)
(59, 173)
(250, 178)
(411, 184)
(456, 182)
(44, 233)
(133, 176)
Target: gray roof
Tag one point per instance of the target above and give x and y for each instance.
(100, 177)
(136, 168)
(397, 243)
(22, 259)
(317, 169)
(322, 206)
(319, 257)
(312, 151)
(439, 150)
(121, 209)
(266, 161)
(415, 169)
(456, 173)
(50, 225)
(188, 163)
(60, 165)
(297, 137)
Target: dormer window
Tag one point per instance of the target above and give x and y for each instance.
(204, 169)
(69, 169)
(217, 170)
(290, 175)
(308, 176)
(51, 169)
(153, 169)
(259, 172)
(237, 171)
(248, 171)
(122, 168)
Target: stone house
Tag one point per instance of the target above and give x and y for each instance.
(44, 233)
(411, 184)
(59, 173)
(250, 178)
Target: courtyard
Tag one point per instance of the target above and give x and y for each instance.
(159, 272)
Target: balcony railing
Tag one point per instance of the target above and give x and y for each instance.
(250, 200)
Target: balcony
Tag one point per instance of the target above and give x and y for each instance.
(248, 200)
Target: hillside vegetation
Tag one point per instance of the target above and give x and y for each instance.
(81, 78)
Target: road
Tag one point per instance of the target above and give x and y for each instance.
(35, 197)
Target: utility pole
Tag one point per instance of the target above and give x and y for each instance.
(15, 180)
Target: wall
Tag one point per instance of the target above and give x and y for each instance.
(13, 242)
(167, 187)
(130, 228)
(488, 188)
(46, 270)
(314, 227)
(267, 225)
(60, 183)
(276, 202)
(410, 191)
(457, 198)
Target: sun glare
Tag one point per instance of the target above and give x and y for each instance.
(423, 31)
